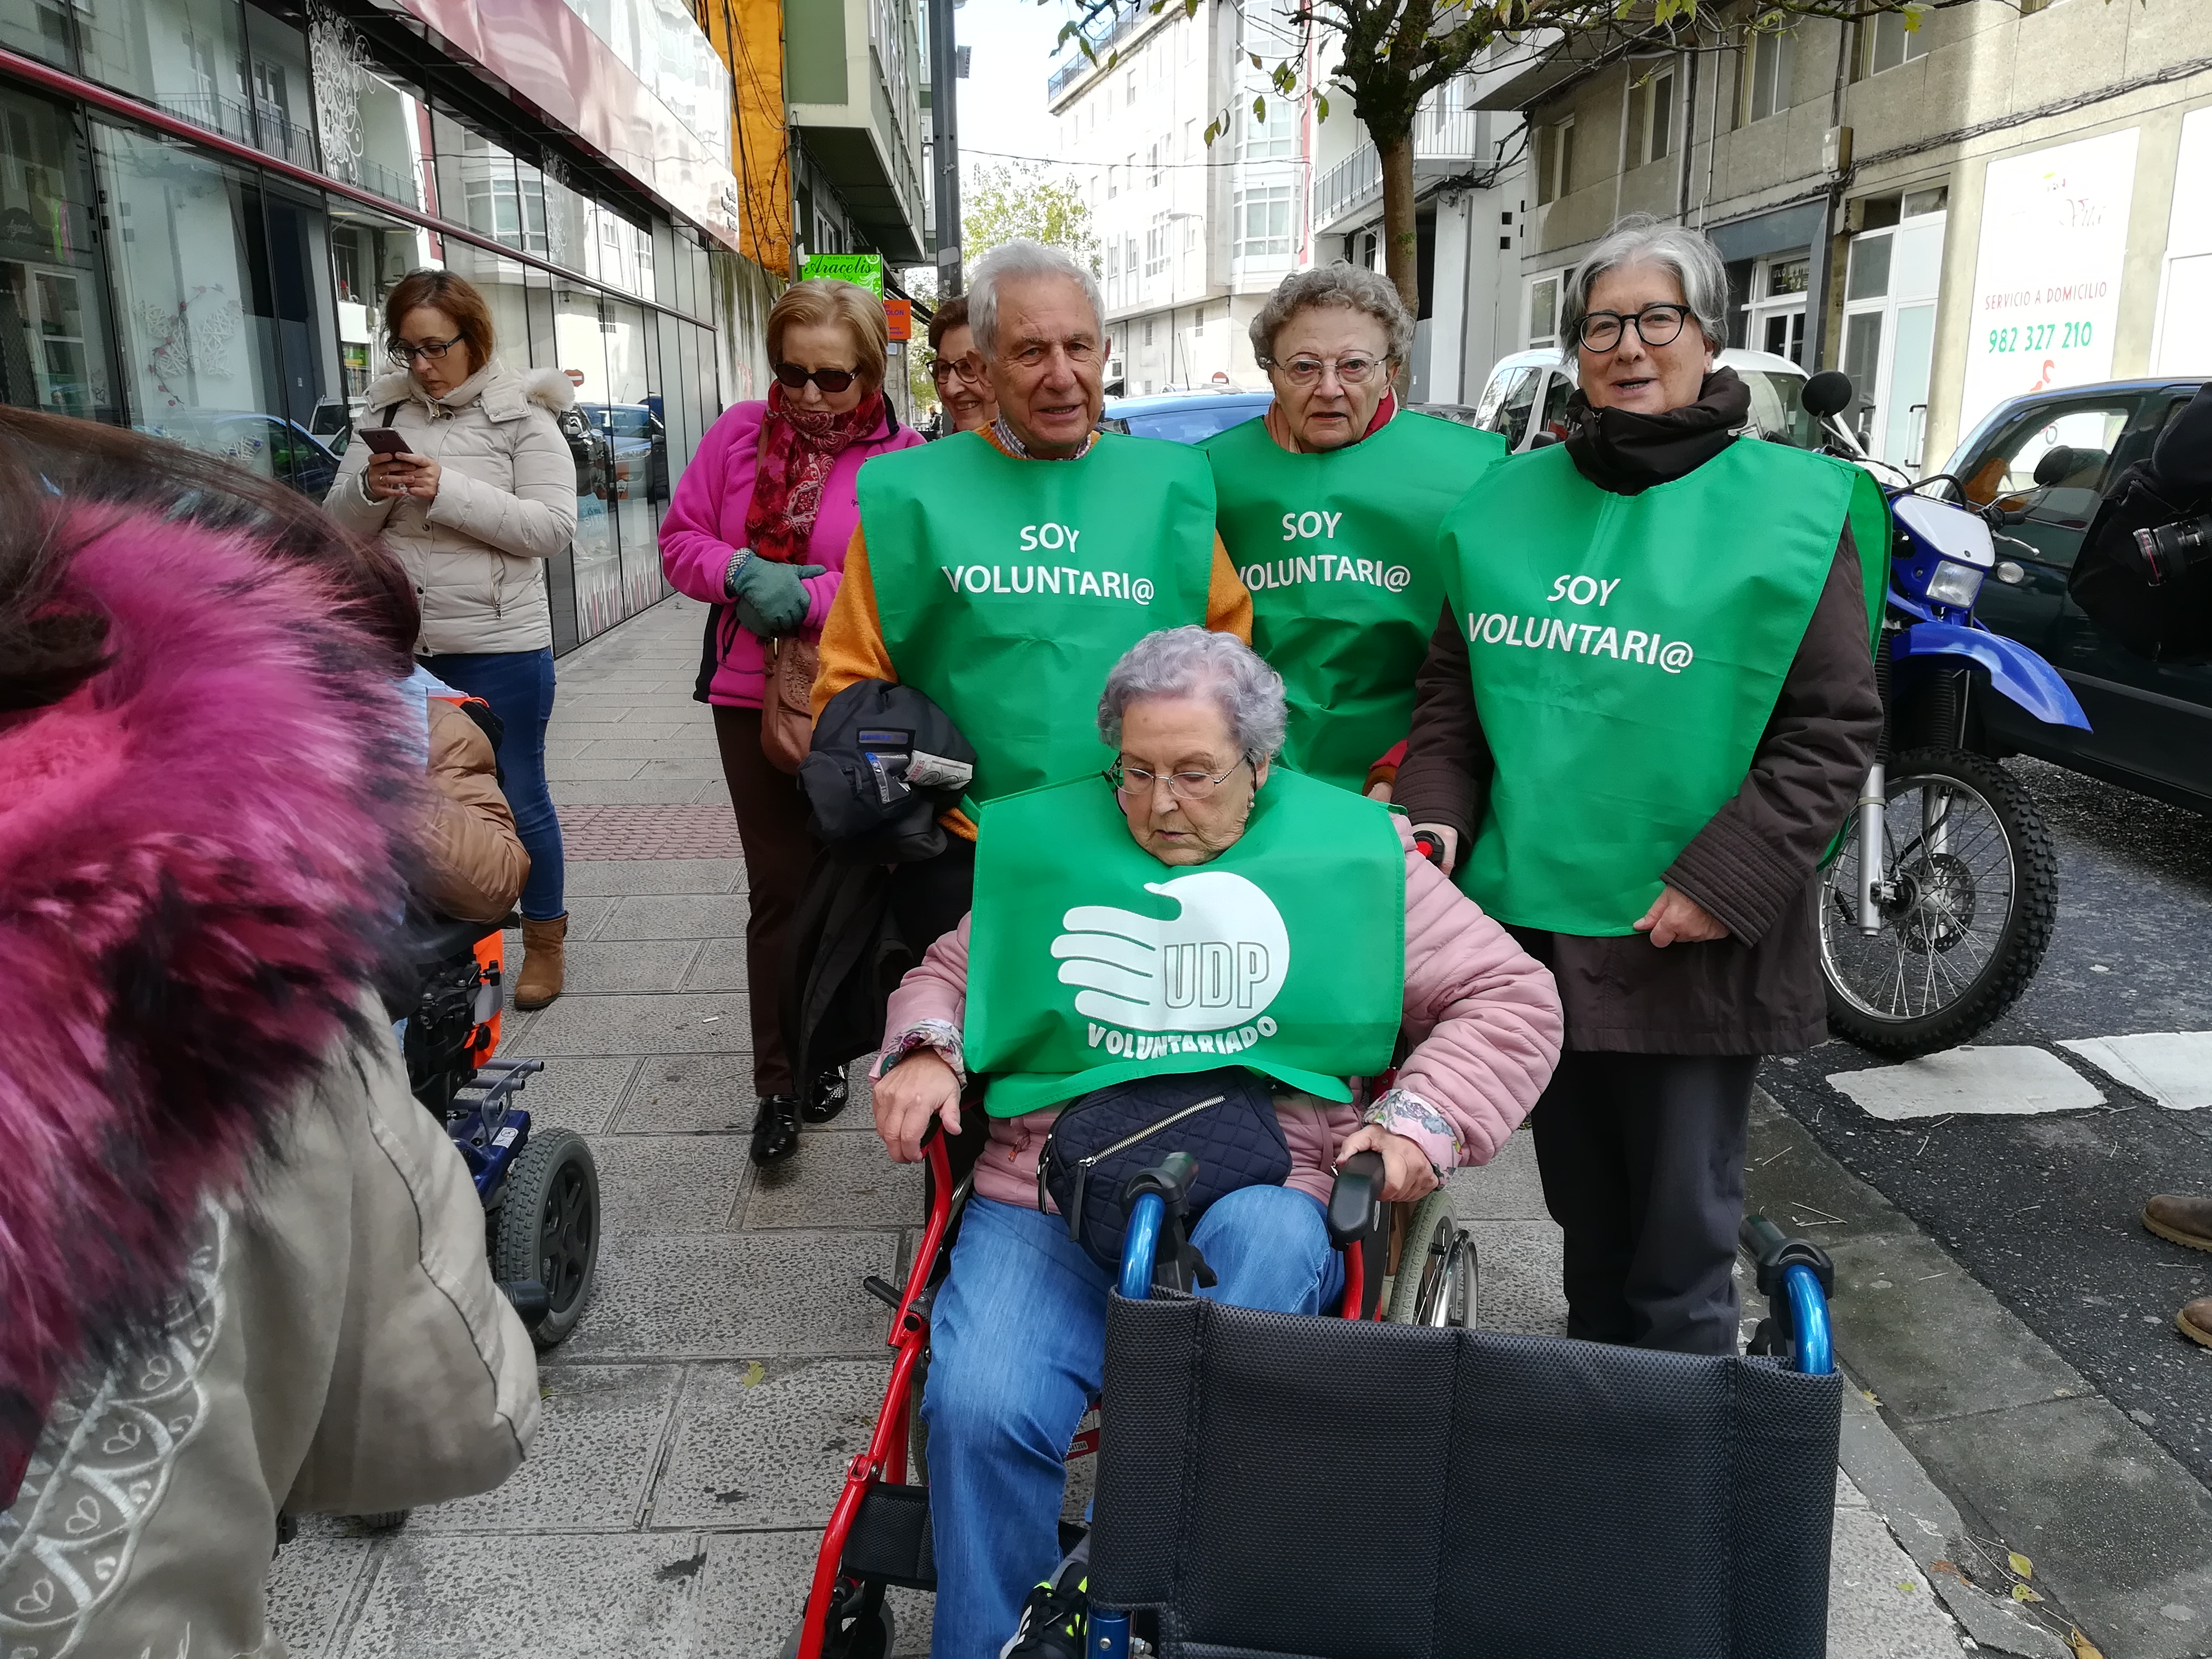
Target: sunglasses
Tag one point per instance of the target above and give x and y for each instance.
(831, 381)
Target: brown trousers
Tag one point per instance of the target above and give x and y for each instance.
(772, 823)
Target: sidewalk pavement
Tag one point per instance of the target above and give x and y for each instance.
(697, 1426)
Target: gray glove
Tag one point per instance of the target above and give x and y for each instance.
(770, 601)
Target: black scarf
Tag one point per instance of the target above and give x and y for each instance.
(1627, 452)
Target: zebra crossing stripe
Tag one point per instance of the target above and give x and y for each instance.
(1997, 1082)
(2174, 1068)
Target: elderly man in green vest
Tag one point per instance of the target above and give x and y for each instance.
(1003, 571)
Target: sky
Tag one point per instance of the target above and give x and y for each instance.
(1002, 106)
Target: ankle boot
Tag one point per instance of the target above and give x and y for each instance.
(2181, 1217)
(825, 1096)
(542, 948)
(775, 1129)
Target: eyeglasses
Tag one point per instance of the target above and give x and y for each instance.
(403, 354)
(1182, 786)
(831, 381)
(1350, 371)
(1657, 325)
(968, 369)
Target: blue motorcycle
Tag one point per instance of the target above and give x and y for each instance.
(1938, 903)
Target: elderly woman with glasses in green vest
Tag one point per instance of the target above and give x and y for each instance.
(1204, 911)
(1328, 505)
(1646, 715)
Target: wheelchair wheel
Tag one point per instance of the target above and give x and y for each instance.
(546, 1227)
(1435, 1284)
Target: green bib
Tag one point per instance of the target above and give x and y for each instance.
(1090, 961)
(1626, 652)
(1339, 550)
(1006, 589)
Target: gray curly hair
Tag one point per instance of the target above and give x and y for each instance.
(1642, 240)
(1192, 661)
(1354, 288)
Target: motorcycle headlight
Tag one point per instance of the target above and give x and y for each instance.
(1954, 584)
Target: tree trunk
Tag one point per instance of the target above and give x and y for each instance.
(1401, 241)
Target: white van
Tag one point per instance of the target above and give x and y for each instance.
(1525, 401)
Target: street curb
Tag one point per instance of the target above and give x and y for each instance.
(1966, 1421)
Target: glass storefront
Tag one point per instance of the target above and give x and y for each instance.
(147, 280)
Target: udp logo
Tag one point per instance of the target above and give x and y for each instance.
(1218, 963)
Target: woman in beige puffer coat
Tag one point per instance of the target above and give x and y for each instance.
(486, 495)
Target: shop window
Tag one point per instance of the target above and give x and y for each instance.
(369, 253)
(53, 331)
(279, 89)
(375, 132)
(40, 29)
(186, 57)
(1885, 42)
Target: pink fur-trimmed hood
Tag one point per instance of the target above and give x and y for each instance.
(203, 853)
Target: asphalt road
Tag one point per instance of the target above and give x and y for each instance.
(2043, 1210)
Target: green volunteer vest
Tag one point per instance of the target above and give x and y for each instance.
(1006, 589)
(1626, 652)
(1090, 961)
(1339, 550)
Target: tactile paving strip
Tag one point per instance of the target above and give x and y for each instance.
(699, 831)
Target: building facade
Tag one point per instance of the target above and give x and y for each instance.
(2009, 197)
(1191, 236)
(1469, 175)
(203, 204)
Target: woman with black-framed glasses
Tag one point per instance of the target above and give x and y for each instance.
(481, 494)
(759, 529)
(963, 390)
(1647, 711)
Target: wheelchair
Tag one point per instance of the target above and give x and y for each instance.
(1486, 1482)
(1408, 1263)
(540, 1189)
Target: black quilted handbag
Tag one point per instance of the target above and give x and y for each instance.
(1225, 1118)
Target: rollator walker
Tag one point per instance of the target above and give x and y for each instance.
(1380, 1483)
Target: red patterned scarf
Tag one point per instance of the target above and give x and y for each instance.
(799, 448)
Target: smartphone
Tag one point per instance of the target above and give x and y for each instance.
(384, 440)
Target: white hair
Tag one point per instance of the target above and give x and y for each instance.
(1641, 240)
(1020, 261)
(1345, 285)
(1192, 661)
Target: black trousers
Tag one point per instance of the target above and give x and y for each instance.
(1642, 1159)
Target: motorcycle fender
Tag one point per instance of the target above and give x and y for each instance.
(2013, 670)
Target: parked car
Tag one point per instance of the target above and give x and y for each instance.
(1525, 400)
(1465, 414)
(636, 442)
(2051, 455)
(1183, 418)
(267, 444)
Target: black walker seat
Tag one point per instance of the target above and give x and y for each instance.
(1278, 1487)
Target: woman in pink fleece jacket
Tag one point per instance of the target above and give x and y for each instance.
(759, 529)
(1017, 1334)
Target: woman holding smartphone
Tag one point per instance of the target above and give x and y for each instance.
(459, 464)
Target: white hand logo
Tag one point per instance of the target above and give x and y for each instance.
(1218, 964)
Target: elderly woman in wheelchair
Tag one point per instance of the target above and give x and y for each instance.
(1205, 952)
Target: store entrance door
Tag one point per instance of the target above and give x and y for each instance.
(1889, 335)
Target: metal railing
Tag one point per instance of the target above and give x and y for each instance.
(1129, 17)
(1441, 133)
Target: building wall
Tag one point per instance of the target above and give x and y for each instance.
(1976, 85)
(748, 36)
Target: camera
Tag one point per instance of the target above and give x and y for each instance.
(2168, 551)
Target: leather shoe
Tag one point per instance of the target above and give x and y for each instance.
(825, 1097)
(2185, 1220)
(775, 1129)
(2195, 1320)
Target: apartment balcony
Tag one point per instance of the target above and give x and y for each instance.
(855, 102)
(1125, 22)
(1447, 141)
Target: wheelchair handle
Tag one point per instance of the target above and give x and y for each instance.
(1355, 1202)
(1140, 1242)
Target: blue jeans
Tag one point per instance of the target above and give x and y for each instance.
(519, 686)
(1018, 1348)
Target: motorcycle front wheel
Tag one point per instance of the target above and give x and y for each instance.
(1973, 892)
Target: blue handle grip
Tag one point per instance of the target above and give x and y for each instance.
(1815, 1354)
(1140, 1244)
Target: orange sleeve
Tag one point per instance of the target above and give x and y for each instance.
(852, 648)
(1227, 603)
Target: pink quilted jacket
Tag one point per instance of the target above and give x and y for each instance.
(1483, 1015)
